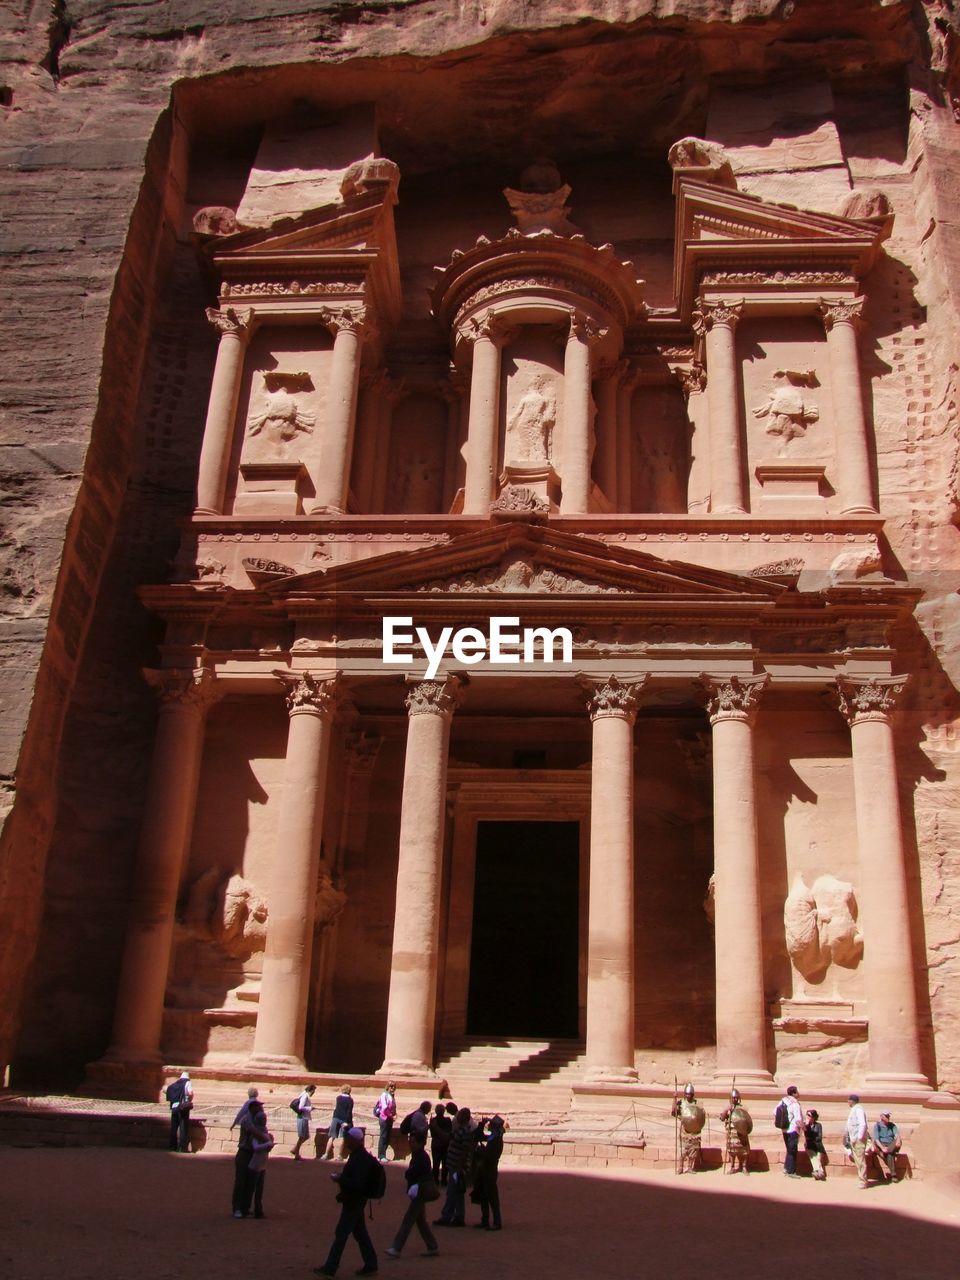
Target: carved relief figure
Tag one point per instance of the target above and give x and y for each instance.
(540, 204)
(229, 910)
(282, 416)
(787, 410)
(532, 422)
(821, 927)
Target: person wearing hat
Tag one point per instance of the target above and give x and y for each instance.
(856, 1137)
(886, 1139)
(354, 1182)
(738, 1124)
(692, 1118)
(486, 1192)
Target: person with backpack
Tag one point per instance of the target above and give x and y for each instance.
(385, 1109)
(417, 1123)
(303, 1107)
(361, 1179)
(421, 1189)
(788, 1118)
(813, 1142)
(440, 1128)
(179, 1095)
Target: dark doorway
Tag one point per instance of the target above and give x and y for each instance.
(524, 951)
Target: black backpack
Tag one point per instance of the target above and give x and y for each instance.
(406, 1124)
(781, 1117)
(376, 1180)
(175, 1091)
(295, 1104)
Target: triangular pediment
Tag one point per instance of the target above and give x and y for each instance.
(516, 559)
(354, 224)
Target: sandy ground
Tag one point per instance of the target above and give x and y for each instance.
(122, 1214)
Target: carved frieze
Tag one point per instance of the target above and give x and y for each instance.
(520, 575)
(520, 500)
(264, 570)
(787, 279)
(291, 288)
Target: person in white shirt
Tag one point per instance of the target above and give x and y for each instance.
(791, 1135)
(304, 1108)
(856, 1130)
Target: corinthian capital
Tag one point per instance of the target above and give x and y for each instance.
(711, 314)
(306, 692)
(612, 697)
(583, 329)
(869, 697)
(489, 326)
(692, 378)
(193, 690)
(733, 697)
(434, 697)
(841, 311)
(352, 319)
(228, 320)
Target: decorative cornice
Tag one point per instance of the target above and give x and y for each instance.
(306, 692)
(302, 288)
(733, 697)
(612, 697)
(230, 322)
(434, 697)
(869, 697)
(771, 276)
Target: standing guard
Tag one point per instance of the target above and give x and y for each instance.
(692, 1117)
(738, 1124)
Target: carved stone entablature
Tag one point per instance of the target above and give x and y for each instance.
(434, 697)
(841, 311)
(779, 570)
(520, 575)
(819, 640)
(303, 287)
(259, 570)
(306, 692)
(194, 690)
(776, 278)
(612, 697)
(230, 321)
(733, 697)
(869, 697)
(536, 279)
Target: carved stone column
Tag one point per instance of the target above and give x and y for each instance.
(894, 1032)
(333, 475)
(371, 443)
(291, 896)
(625, 390)
(854, 480)
(718, 321)
(741, 1007)
(218, 433)
(164, 842)
(411, 1011)
(453, 392)
(483, 428)
(578, 412)
(607, 425)
(611, 1003)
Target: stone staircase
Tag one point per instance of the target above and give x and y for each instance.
(512, 1061)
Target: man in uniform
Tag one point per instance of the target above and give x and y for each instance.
(692, 1118)
(738, 1124)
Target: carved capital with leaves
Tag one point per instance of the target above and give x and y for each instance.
(309, 693)
(180, 690)
(733, 697)
(439, 697)
(711, 314)
(613, 697)
(869, 697)
(841, 311)
(348, 319)
(231, 322)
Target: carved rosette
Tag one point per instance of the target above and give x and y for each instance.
(711, 314)
(179, 690)
(869, 697)
(307, 693)
(613, 697)
(230, 322)
(434, 697)
(733, 697)
(839, 311)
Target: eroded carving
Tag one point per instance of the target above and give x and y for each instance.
(532, 422)
(283, 415)
(519, 574)
(520, 500)
(820, 926)
(228, 321)
(787, 410)
(229, 910)
(708, 159)
(540, 202)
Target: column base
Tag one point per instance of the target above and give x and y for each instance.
(610, 1075)
(404, 1067)
(277, 1062)
(747, 1077)
(326, 509)
(897, 1082)
(859, 511)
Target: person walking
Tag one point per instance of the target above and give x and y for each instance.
(180, 1097)
(304, 1109)
(459, 1156)
(354, 1179)
(252, 1128)
(441, 1127)
(813, 1144)
(421, 1190)
(385, 1109)
(856, 1138)
(886, 1139)
(486, 1190)
(342, 1120)
(789, 1119)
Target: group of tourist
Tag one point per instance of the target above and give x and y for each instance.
(464, 1153)
(792, 1122)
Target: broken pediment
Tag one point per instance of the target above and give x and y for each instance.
(725, 238)
(517, 559)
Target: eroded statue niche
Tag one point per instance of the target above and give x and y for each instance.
(821, 928)
(788, 411)
(272, 432)
(228, 911)
(531, 425)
